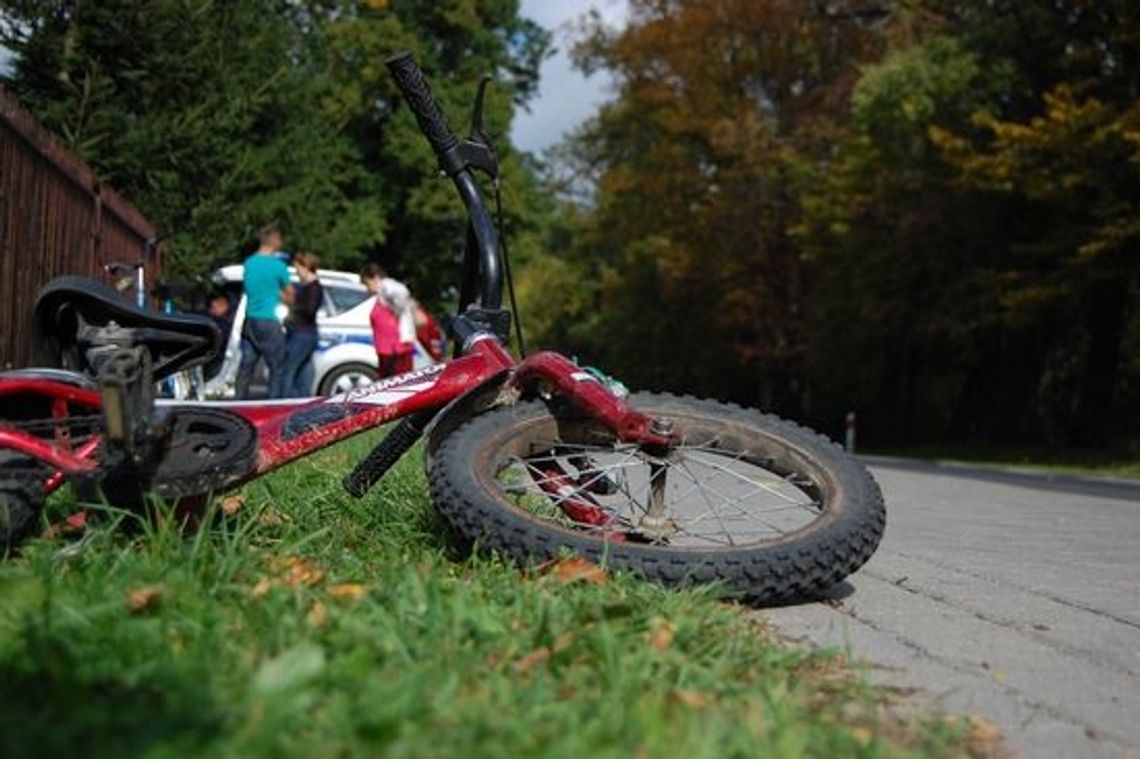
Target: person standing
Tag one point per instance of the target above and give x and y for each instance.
(266, 284)
(301, 329)
(221, 311)
(393, 326)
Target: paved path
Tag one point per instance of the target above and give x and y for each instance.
(1012, 597)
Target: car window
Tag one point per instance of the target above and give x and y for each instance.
(344, 298)
(233, 292)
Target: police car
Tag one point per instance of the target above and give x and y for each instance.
(344, 358)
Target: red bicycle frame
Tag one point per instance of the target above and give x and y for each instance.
(288, 430)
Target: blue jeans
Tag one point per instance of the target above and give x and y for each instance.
(299, 372)
(262, 338)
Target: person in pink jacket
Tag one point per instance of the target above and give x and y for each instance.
(393, 327)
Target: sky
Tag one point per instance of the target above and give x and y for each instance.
(565, 97)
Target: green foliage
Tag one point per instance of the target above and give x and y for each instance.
(215, 118)
(897, 99)
(700, 286)
(455, 43)
(202, 114)
(1044, 146)
(925, 211)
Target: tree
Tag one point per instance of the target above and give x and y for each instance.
(215, 118)
(718, 104)
(206, 115)
(989, 183)
(455, 42)
(923, 210)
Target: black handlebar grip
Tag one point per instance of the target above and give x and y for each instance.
(432, 123)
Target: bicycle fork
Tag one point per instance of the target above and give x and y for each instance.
(545, 375)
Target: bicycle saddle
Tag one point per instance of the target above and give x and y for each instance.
(75, 314)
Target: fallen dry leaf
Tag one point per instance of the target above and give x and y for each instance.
(263, 586)
(144, 599)
(543, 653)
(296, 571)
(231, 504)
(661, 633)
(563, 642)
(862, 735)
(535, 657)
(690, 698)
(575, 569)
(317, 615)
(347, 590)
(270, 517)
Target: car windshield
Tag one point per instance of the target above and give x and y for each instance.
(344, 298)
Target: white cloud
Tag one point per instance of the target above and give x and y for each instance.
(565, 97)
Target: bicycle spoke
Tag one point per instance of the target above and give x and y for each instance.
(712, 509)
(556, 502)
(545, 480)
(749, 514)
(719, 513)
(769, 488)
(724, 496)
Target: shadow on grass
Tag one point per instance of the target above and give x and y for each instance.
(47, 708)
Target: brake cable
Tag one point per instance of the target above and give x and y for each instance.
(506, 260)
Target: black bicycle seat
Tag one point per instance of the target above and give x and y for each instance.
(74, 314)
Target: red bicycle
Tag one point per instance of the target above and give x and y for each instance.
(529, 458)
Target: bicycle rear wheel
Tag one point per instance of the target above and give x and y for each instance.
(21, 498)
(769, 509)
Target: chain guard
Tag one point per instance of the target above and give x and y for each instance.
(203, 450)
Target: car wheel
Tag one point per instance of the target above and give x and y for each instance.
(348, 377)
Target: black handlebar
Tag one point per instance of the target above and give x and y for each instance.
(416, 91)
(485, 257)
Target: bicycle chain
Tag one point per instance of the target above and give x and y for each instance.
(20, 467)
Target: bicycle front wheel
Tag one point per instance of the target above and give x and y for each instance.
(769, 509)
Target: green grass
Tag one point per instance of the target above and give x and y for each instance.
(312, 624)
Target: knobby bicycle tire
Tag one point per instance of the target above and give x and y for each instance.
(501, 479)
(21, 498)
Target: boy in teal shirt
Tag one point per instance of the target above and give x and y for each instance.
(266, 284)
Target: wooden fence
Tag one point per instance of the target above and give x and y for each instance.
(55, 218)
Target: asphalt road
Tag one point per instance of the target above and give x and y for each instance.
(1013, 597)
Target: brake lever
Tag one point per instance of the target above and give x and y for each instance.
(477, 150)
